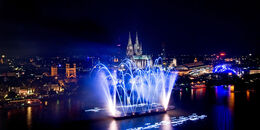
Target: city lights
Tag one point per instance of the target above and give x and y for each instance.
(222, 54)
(129, 65)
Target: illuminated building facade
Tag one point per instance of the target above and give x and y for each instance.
(194, 69)
(136, 53)
(195, 60)
(254, 71)
(71, 72)
(173, 63)
(54, 71)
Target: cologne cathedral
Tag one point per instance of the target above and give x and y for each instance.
(135, 53)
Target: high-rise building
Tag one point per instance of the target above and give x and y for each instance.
(71, 72)
(54, 71)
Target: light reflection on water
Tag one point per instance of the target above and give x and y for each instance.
(223, 114)
(200, 93)
(180, 95)
(247, 95)
(219, 107)
(197, 94)
(113, 125)
(223, 118)
(29, 117)
(192, 94)
(231, 101)
(223, 109)
(167, 118)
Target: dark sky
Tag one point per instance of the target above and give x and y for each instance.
(61, 26)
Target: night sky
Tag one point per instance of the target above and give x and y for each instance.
(84, 26)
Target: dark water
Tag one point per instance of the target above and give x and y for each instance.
(224, 110)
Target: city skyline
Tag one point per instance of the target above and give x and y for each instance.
(129, 64)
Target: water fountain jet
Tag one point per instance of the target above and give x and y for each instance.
(130, 91)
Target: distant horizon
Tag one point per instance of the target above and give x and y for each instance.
(95, 48)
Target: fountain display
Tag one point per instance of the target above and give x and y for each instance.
(129, 91)
(173, 121)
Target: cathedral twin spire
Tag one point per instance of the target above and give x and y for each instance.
(137, 49)
(130, 49)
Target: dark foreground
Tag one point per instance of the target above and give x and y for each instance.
(224, 110)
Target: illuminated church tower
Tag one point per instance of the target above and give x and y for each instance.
(137, 46)
(130, 49)
(135, 53)
(71, 72)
